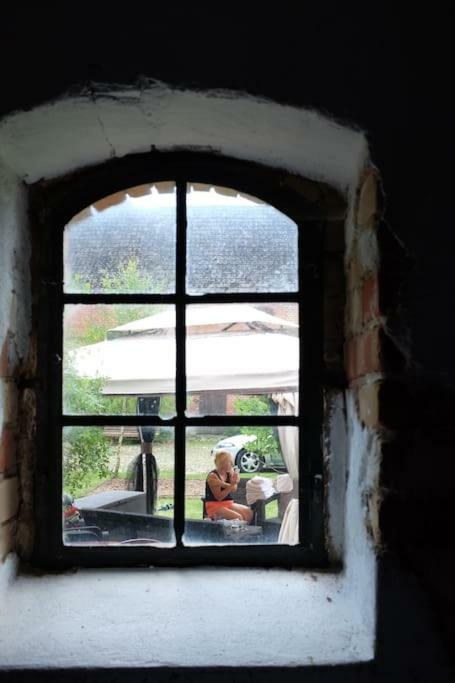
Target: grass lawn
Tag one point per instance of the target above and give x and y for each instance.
(90, 482)
(193, 508)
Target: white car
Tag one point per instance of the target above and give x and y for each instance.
(246, 460)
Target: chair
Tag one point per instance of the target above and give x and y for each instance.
(259, 509)
(239, 497)
(259, 512)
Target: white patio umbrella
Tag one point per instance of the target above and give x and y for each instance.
(238, 362)
(205, 315)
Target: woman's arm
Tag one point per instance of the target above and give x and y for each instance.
(220, 489)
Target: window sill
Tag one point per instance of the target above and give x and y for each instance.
(114, 618)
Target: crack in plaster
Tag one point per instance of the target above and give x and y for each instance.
(92, 96)
(38, 144)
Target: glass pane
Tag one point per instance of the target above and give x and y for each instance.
(238, 244)
(118, 490)
(123, 243)
(264, 488)
(119, 360)
(240, 357)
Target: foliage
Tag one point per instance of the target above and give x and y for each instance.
(83, 395)
(86, 454)
(86, 449)
(89, 324)
(128, 279)
(266, 443)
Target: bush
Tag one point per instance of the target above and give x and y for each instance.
(86, 449)
(86, 453)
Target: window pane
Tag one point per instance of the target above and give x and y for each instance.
(119, 360)
(240, 356)
(238, 244)
(267, 458)
(113, 492)
(123, 243)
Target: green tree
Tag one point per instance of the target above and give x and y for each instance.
(86, 449)
(266, 443)
(85, 458)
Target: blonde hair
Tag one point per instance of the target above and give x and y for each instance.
(221, 456)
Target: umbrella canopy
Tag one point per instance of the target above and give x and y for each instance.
(239, 362)
(204, 315)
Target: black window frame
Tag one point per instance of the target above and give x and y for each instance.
(54, 203)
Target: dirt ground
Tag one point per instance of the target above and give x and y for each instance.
(194, 487)
(198, 458)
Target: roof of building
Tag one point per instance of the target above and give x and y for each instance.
(230, 248)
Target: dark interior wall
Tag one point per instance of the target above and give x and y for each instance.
(364, 64)
(374, 67)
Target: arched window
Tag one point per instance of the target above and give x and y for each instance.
(184, 309)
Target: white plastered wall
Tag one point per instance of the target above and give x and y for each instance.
(316, 618)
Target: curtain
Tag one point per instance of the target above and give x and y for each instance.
(289, 438)
(289, 530)
(289, 442)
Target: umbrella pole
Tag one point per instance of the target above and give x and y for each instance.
(149, 405)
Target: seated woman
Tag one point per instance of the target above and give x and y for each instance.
(220, 484)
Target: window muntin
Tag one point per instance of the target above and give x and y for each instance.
(310, 305)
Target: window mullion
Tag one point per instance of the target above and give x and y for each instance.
(180, 377)
(311, 366)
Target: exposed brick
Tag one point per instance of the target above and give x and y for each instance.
(354, 315)
(368, 251)
(230, 398)
(5, 361)
(362, 355)
(369, 404)
(7, 449)
(368, 201)
(354, 272)
(8, 498)
(370, 299)
(7, 538)
(28, 413)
